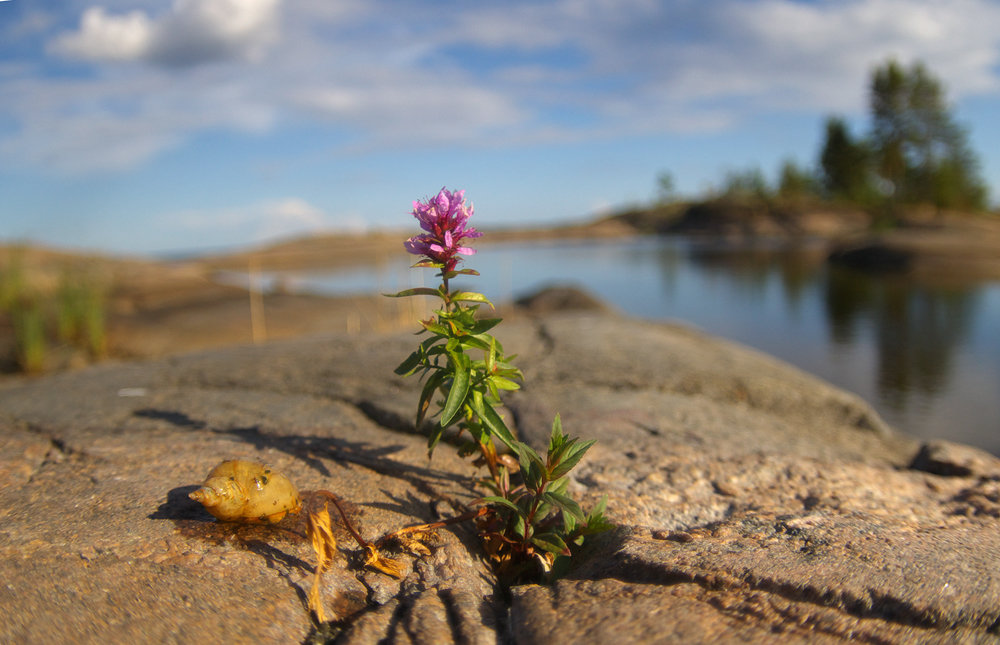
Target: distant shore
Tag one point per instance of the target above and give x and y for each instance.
(157, 308)
(949, 248)
(929, 244)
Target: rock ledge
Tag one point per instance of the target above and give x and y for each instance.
(753, 502)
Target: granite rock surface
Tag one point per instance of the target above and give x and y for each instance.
(753, 503)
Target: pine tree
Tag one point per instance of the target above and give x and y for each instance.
(845, 164)
(918, 149)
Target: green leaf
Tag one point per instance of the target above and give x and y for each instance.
(416, 291)
(480, 342)
(433, 438)
(430, 386)
(530, 473)
(508, 373)
(596, 521)
(502, 501)
(477, 432)
(566, 503)
(427, 264)
(424, 350)
(407, 366)
(569, 522)
(573, 456)
(598, 511)
(519, 526)
(552, 543)
(503, 383)
(542, 511)
(492, 420)
(557, 437)
(522, 457)
(560, 486)
(436, 328)
(434, 346)
(558, 448)
(532, 467)
(598, 525)
(533, 471)
(457, 272)
(459, 388)
(470, 296)
(491, 356)
(484, 325)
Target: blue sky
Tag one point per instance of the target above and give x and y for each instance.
(143, 127)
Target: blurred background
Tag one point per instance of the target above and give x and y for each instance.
(816, 179)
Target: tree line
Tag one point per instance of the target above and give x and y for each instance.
(914, 153)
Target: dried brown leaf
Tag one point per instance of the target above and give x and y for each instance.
(413, 546)
(386, 565)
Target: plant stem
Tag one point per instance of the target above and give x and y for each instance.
(447, 291)
(528, 526)
(468, 515)
(347, 523)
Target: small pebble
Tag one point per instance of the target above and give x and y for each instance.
(724, 489)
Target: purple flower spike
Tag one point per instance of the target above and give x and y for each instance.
(444, 217)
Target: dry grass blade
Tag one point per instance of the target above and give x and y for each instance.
(325, 546)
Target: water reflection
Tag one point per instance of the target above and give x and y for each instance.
(918, 329)
(755, 267)
(927, 358)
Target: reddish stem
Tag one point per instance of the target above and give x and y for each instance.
(347, 523)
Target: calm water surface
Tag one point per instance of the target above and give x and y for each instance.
(927, 357)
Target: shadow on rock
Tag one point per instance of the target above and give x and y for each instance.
(179, 506)
(178, 419)
(311, 449)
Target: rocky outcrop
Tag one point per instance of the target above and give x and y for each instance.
(740, 220)
(752, 501)
(942, 247)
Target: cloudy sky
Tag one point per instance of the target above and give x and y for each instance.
(142, 126)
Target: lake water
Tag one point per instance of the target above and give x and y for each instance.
(927, 357)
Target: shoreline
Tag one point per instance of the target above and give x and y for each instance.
(156, 308)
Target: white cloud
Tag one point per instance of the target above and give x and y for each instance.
(255, 223)
(192, 32)
(408, 108)
(826, 50)
(112, 124)
(288, 216)
(474, 74)
(796, 54)
(104, 37)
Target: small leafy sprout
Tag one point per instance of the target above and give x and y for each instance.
(530, 520)
(536, 521)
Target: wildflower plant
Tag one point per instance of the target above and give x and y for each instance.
(528, 520)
